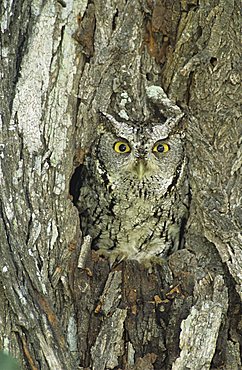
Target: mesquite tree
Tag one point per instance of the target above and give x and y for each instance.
(62, 306)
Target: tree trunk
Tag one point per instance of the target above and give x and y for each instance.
(62, 306)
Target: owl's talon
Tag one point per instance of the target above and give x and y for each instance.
(117, 257)
(151, 262)
(114, 256)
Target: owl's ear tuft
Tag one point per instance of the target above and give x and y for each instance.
(105, 117)
(105, 120)
(102, 122)
(101, 128)
(101, 116)
(118, 128)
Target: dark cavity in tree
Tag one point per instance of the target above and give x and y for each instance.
(75, 183)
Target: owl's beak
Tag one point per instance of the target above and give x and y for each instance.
(140, 168)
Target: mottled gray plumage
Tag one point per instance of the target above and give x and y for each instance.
(130, 202)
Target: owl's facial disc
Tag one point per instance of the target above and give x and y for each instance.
(140, 157)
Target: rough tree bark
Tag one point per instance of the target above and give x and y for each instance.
(61, 306)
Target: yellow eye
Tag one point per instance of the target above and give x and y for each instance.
(161, 148)
(121, 147)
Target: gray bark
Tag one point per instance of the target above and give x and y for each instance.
(61, 305)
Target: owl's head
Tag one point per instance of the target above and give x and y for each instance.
(139, 156)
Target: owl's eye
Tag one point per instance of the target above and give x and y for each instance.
(121, 147)
(161, 148)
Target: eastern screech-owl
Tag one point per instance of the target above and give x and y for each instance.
(129, 200)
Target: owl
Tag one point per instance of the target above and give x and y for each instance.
(131, 202)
